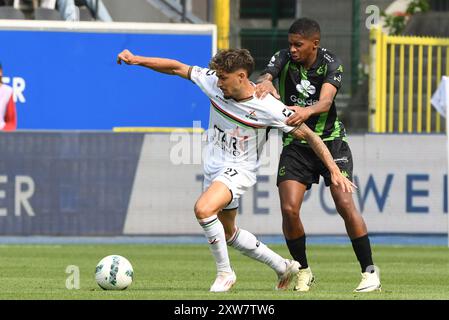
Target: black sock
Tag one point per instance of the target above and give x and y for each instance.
(297, 248)
(362, 249)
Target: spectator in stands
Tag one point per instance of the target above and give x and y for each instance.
(70, 11)
(67, 8)
(8, 118)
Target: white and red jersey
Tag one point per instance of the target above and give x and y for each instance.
(8, 118)
(237, 129)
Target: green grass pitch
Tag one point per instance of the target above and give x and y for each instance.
(185, 272)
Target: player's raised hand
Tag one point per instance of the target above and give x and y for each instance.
(264, 88)
(126, 56)
(299, 116)
(339, 180)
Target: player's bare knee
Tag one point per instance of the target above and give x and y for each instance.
(202, 210)
(344, 205)
(290, 212)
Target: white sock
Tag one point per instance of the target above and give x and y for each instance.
(247, 244)
(214, 231)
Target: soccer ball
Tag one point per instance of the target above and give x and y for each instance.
(114, 272)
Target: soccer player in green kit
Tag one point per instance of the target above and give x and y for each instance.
(309, 79)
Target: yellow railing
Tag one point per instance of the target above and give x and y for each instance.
(401, 106)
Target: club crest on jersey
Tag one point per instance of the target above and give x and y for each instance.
(252, 115)
(305, 88)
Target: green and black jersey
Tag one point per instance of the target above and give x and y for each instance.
(301, 87)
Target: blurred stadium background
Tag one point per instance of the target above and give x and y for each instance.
(96, 154)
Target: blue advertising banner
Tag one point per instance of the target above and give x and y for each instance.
(65, 75)
(66, 183)
(78, 183)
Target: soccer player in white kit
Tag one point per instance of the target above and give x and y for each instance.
(237, 132)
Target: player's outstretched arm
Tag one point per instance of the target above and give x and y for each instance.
(321, 150)
(162, 65)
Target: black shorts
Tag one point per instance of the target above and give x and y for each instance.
(300, 163)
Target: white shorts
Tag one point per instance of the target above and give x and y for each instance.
(237, 180)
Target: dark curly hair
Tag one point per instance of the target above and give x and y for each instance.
(231, 60)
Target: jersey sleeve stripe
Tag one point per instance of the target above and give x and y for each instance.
(235, 119)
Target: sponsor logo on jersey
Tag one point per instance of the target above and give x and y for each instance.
(322, 69)
(345, 173)
(221, 99)
(252, 115)
(305, 88)
(343, 160)
(230, 141)
(302, 102)
(337, 78)
(328, 57)
(282, 171)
